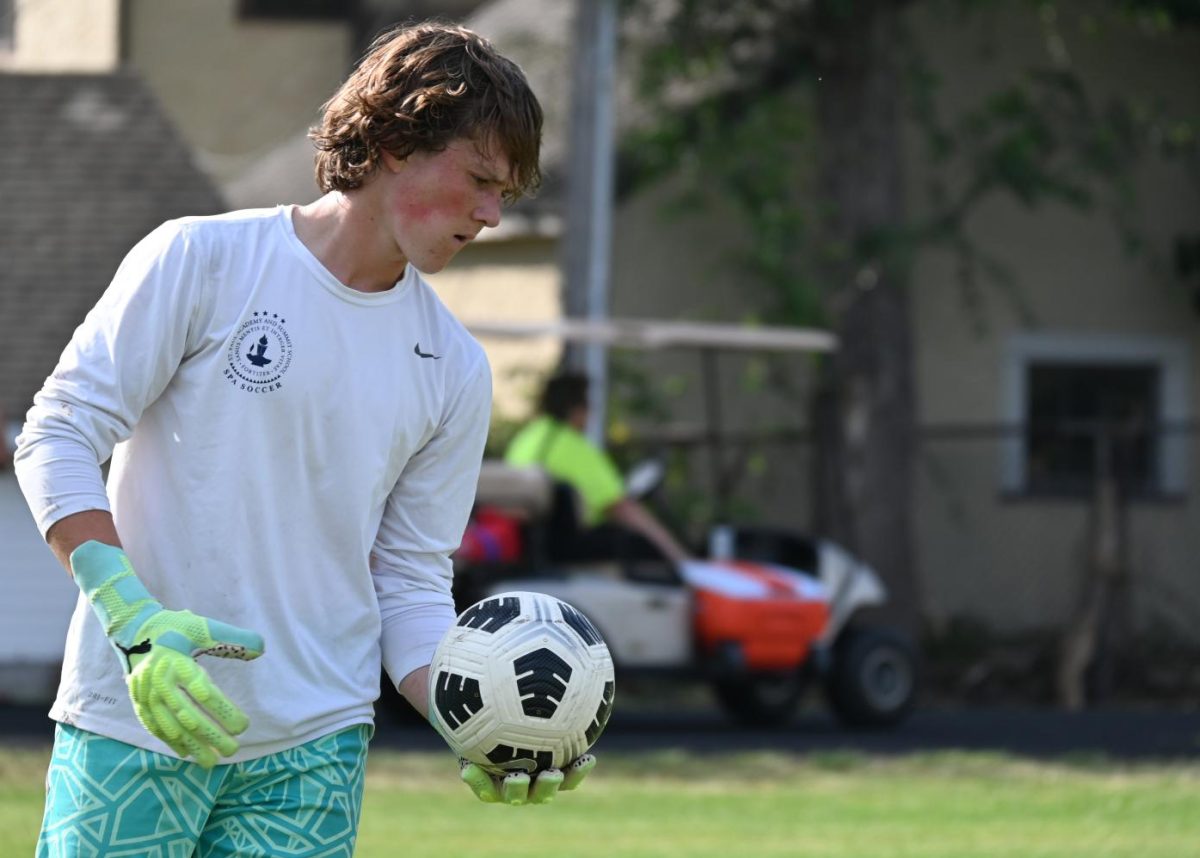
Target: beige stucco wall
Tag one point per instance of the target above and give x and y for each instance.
(511, 281)
(1017, 562)
(681, 262)
(64, 36)
(236, 89)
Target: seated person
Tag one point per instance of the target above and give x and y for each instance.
(615, 525)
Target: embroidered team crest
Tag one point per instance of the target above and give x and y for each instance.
(259, 354)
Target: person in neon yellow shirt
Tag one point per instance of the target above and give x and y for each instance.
(555, 441)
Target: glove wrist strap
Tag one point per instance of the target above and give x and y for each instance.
(117, 595)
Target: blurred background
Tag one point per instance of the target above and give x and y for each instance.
(995, 207)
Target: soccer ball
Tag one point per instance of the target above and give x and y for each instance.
(521, 682)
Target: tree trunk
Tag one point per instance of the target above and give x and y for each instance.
(1083, 638)
(865, 409)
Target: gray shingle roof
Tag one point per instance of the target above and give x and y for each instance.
(88, 165)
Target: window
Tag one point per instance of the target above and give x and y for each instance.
(1078, 413)
(1084, 402)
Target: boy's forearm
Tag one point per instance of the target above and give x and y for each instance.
(415, 689)
(67, 534)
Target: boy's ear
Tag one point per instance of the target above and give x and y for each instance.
(390, 162)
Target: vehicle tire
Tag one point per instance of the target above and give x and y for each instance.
(873, 682)
(760, 701)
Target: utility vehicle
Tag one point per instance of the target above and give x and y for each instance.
(766, 612)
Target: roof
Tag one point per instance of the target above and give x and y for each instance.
(89, 165)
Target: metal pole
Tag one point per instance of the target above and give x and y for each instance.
(713, 437)
(589, 193)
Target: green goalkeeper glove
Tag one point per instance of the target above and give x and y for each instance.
(519, 788)
(172, 695)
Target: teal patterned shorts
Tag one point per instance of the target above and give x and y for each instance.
(105, 799)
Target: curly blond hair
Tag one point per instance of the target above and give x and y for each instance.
(417, 89)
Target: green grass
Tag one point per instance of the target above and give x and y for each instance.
(945, 805)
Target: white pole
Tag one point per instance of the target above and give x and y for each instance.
(590, 190)
(602, 205)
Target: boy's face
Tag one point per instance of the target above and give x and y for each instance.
(437, 202)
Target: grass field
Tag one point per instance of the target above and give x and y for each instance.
(945, 805)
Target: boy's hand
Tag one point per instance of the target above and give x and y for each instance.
(516, 787)
(172, 695)
(519, 788)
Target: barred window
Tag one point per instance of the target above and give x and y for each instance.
(1084, 417)
(1076, 403)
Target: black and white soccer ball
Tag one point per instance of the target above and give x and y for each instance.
(521, 682)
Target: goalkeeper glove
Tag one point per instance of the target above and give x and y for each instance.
(519, 788)
(173, 696)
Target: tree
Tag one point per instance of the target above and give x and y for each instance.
(742, 88)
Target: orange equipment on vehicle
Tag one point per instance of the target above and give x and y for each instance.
(770, 613)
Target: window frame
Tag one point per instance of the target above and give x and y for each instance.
(1170, 355)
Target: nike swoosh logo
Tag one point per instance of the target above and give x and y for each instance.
(417, 351)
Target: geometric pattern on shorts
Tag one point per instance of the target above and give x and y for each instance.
(107, 799)
(305, 801)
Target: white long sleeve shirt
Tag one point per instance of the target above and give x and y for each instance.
(288, 455)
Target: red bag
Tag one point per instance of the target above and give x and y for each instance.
(492, 536)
